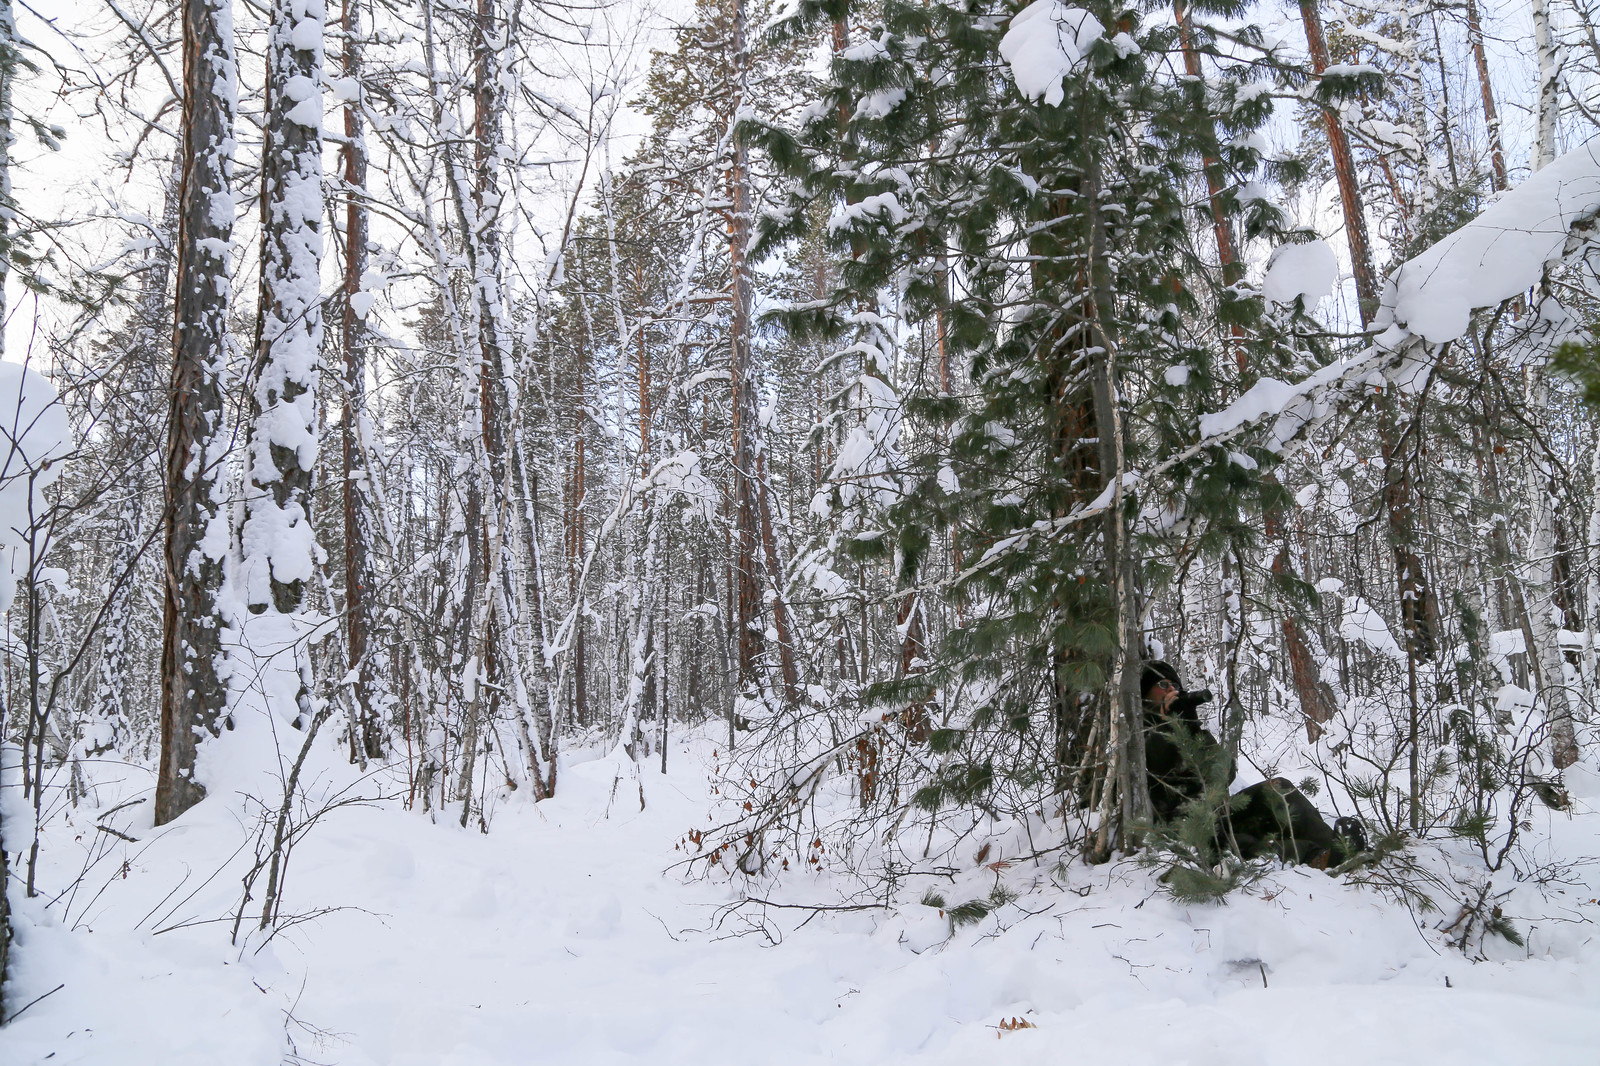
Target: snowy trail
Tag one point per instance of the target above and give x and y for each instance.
(556, 939)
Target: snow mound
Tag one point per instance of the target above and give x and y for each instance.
(1498, 254)
(557, 938)
(1047, 41)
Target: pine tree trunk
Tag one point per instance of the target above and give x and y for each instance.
(1316, 701)
(192, 692)
(367, 733)
(1221, 224)
(1344, 168)
(746, 561)
(8, 68)
(1416, 597)
(909, 620)
(1491, 115)
(1315, 697)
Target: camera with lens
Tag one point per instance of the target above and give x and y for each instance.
(1186, 703)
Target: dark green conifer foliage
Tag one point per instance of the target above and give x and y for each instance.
(1092, 332)
(1202, 861)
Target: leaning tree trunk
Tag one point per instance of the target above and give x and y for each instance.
(1344, 168)
(192, 691)
(1221, 223)
(1416, 595)
(1491, 115)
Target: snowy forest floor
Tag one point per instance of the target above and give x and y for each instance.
(558, 938)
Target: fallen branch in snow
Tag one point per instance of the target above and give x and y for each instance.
(13, 1017)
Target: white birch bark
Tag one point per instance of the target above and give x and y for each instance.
(1548, 51)
(1546, 656)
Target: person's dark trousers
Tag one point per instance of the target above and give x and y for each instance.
(1275, 818)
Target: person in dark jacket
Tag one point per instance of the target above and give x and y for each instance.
(1269, 818)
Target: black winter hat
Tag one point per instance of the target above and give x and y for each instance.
(1157, 670)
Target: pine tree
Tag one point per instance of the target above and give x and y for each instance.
(372, 699)
(1077, 295)
(193, 694)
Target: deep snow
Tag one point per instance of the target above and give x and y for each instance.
(558, 938)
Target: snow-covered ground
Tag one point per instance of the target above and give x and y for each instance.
(558, 938)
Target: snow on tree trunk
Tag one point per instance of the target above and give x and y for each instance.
(192, 692)
(277, 542)
(1590, 622)
(495, 601)
(520, 623)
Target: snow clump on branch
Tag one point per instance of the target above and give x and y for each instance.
(1307, 270)
(1047, 41)
(1498, 254)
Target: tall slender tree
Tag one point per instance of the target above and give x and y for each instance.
(367, 732)
(277, 540)
(193, 694)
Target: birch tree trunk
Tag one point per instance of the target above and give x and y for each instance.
(1590, 626)
(9, 60)
(1544, 653)
(1125, 796)
(1545, 45)
(192, 692)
